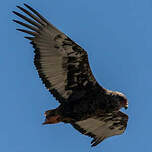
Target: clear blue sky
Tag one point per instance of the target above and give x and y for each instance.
(117, 35)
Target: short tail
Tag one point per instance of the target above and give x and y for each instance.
(52, 117)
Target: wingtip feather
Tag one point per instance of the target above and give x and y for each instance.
(26, 5)
(18, 6)
(29, 38)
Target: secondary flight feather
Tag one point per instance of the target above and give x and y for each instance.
(64, 69)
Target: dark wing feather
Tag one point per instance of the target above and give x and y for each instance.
(61, 63)
(103, 126)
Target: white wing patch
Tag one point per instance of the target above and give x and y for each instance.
(51, 64)
(101, 127)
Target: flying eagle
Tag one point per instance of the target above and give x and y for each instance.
(64, 69)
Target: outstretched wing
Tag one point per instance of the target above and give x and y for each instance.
(102, 126)
(61, 63)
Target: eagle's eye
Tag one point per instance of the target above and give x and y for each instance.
(123, 101)
(121, 98)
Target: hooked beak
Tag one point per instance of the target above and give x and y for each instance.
(126, 105)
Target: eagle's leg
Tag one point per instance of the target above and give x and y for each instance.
(52, 117)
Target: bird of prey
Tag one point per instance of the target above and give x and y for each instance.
(64, 69)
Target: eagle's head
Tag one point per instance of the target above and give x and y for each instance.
(121, 99)
(118, 100)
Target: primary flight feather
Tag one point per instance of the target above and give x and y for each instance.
(64, 69)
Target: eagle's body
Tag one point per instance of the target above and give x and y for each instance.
(97, 104)
(64, 69)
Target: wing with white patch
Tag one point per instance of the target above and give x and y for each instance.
(61, 63)
(102, 126)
